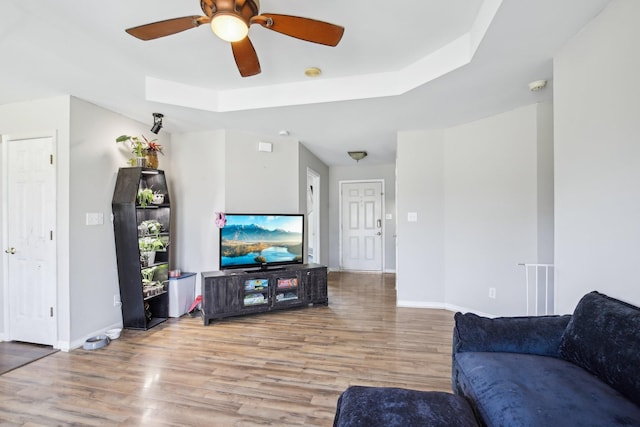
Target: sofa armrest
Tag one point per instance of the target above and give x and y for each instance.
(539, 335)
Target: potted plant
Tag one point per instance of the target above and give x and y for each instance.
(145, 196)
(153, 148)
(149, 227)
(140, 148)
(148, 246)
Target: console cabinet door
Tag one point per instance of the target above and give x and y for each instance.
(315, 283)
(288, 290)
(222, 296)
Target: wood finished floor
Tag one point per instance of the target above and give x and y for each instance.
(281, 368)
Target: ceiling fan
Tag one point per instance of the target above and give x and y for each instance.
(230, 20)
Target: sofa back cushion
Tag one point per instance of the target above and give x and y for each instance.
(539, 335)
(603, 337)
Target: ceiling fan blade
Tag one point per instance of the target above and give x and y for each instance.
(246, 57)
(167, 27)
(307, 29)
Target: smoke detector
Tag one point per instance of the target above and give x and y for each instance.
(537, 85)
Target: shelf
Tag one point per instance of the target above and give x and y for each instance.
(127, 218)
(155, 295)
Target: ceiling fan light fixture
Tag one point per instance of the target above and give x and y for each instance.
(229, 27)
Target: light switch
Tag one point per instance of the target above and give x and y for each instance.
(267, 147)
(388, 216)
(94, 218)
(412, 217)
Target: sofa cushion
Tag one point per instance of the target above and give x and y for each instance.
(510, 389)
(603, 337)
(391, 406)
(534, 334)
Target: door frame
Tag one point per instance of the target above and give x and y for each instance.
(314, 177)
(5, 335)
(382, 218)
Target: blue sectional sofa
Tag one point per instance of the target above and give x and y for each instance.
(550, 371)
(574, 370)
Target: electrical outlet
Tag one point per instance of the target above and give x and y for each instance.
(116, 301)
(492, 293)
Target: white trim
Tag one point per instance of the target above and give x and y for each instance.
(383, 209)
(68, 346)
(441, 306)
(316, 194)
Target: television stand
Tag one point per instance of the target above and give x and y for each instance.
(236, 293)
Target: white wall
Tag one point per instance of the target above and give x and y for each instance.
(94, 161)
(257, 181)
(223, 171)
(420, 244)
(309, 160)
(197, 192)
(597, 158)
(362, 171)
(476, 191)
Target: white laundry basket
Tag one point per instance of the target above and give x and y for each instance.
(181, 293)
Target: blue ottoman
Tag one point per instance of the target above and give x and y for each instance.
(389, 406)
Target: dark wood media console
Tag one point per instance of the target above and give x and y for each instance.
(236, 293)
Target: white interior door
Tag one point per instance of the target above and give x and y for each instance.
(30, 251)
(361, 225)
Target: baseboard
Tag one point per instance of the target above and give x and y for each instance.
(69, 346)
(440, 306)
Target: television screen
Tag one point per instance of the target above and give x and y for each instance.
(261, 240)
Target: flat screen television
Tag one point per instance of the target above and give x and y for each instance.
(261, 240)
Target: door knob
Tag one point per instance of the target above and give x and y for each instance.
(10, 251)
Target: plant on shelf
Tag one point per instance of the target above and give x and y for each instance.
(148, 247)
(150, 227)
(153, 148)
(141, 148)
(150, 287)
(145, 197)
(147, 276)
(149, 243)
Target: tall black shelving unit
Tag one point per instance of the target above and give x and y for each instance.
(140, 309)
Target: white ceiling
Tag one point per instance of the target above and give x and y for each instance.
(429, 64)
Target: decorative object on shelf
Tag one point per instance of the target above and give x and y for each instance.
(145, 151)
(145, 196)
(158, 198)
(153, 149)
(221, 220)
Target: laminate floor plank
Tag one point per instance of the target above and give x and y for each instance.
(280, 368)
